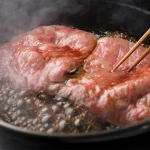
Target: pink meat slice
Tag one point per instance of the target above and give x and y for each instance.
(118, 97)
(43, 56)
(41, 59)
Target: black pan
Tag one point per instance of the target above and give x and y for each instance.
(90, 15)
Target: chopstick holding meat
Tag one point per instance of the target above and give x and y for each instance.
(132, 50)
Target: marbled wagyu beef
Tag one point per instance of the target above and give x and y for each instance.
(76, 65)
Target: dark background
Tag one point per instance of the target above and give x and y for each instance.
(144, 4)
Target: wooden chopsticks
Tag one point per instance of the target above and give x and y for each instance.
(137, 44)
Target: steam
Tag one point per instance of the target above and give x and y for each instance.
(17, 16)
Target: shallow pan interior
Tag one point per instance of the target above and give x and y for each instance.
(90, 15)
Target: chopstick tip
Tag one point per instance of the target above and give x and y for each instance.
(115, 68)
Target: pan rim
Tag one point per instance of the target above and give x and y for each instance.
(128, 5)
(143, 126)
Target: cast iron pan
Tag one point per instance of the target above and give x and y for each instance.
(90, 15)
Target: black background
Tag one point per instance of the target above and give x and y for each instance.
(144, 4)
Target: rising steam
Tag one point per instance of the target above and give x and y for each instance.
(17, 16)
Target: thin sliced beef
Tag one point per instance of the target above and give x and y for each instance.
(45, 58)
(45, 55)
(112, 96)
(110, 51)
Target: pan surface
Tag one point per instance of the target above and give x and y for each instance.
(90, 15)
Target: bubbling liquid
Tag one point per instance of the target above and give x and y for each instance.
(42, 112)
